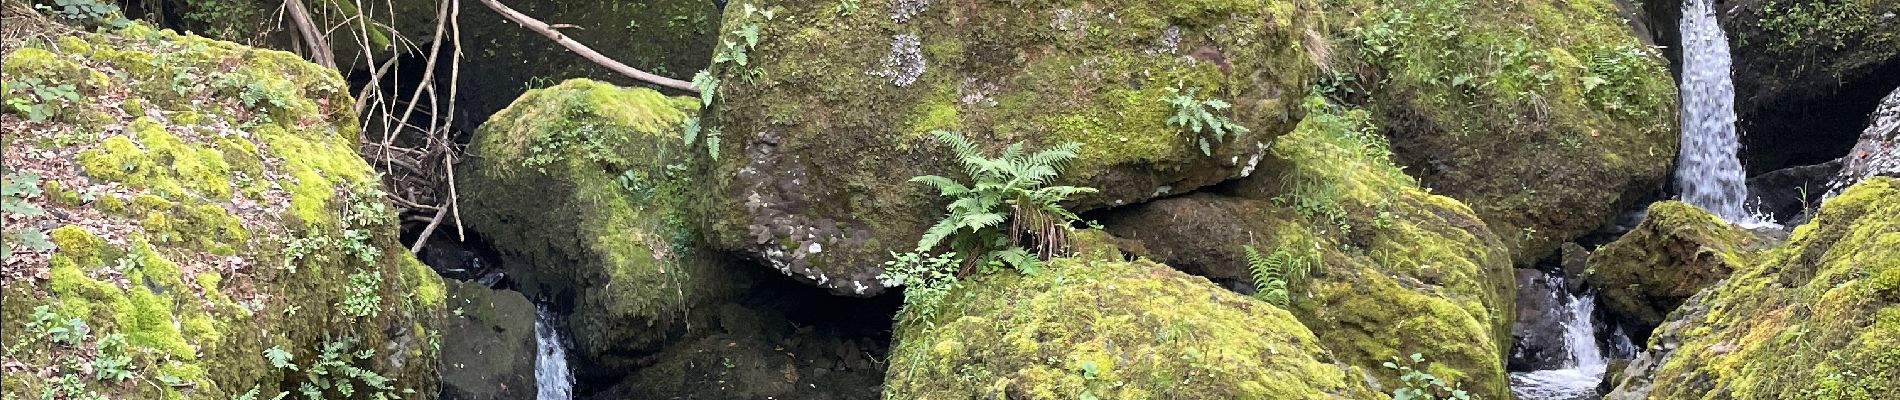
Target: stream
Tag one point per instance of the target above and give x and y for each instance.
(553, 380)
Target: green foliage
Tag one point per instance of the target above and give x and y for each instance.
(107, 362)
(37, 99)
(333, 373)
(95, 12)
(1612, 82)
(1313, 189)
(587, 137)
(1834, 24)
(693, 132)
(1421, 385)
(1202, 117)
(1012, 187)
(844, 8)
(363, 297)
(17, 188)
(926, 279)
(1272, 273)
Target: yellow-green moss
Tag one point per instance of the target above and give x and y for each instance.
(1815, 318)
(1678, 250)
(160, 265)
(603, 171)
(1516, 107)
(1114, 330)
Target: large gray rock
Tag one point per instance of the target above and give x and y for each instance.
(1878, 152)
(488, 347)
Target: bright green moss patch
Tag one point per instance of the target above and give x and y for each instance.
(1111, 330)
(1813, 318)
(1678, 250)
(604, 173)
(1546, 116)
(185, 255)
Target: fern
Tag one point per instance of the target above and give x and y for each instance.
(1198, 115)
(1271, 273)
(1010, 187)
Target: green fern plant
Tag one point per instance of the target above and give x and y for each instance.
(1010, 188)
(1272, 272)
(1202, 117)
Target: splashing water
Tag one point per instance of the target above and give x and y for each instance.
(1583, 359)
(1707, 170)
(551, 376)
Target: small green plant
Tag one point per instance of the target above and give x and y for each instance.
(926, 279)
(844, 8)
(1272, 272)
(1013, 188)
(333, 371)
(112, 363)
(37, 99)
(15, 193)
(1203, 117)
(1421, 385)
(89, 11)
(363, 298)
(693, 132)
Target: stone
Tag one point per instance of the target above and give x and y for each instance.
(1677, 251)
(1816, 317)
(210, 224)
(488, 345)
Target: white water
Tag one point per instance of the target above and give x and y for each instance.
(551, 376)
(1707, 170)
(1583, 365)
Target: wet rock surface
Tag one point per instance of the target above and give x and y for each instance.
(488, 346)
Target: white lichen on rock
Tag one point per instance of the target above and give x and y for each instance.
(905, 62)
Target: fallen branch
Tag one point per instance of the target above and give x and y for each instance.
(551, 33)
(314, 42)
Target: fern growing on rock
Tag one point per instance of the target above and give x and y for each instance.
(1010, 188)
(1272, 271)
(1201, 117)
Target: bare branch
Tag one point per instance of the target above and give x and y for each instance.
(551, 33)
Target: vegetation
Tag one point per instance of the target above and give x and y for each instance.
(1008, 205)
(37, 99)
(1421, 385)
(1196, 115)
(1272, 273)
(18, 187)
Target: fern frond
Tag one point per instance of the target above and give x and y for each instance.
(983, 220)
(1056, 157)
(947, 186)
(936, 234)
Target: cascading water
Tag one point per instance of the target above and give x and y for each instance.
(551, 376)
(1583, 364)
(1707, 170)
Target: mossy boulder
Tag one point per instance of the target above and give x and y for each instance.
(488, 346)
(1817, 317)
(213, 231)
(831, 114)
(1676, 251)
(1110, 329)
(584, 188)
(1384, 268)
(1547, 117)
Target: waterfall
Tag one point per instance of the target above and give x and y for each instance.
(1707, 170)
(551, 376)
(1583, 365)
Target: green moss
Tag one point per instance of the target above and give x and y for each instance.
(1813, 318)
(605, 171)
(1112, 330)
(1043, 73)
(1678, 250)
(1484, 99)
(180, 263)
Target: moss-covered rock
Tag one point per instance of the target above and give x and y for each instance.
(1815, 318)
(211, 227)
(1384, 268)
(830, 115)
(1676, 251)
(1112, 330)
(1547, 117)
(488, 346)
(584, 188)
